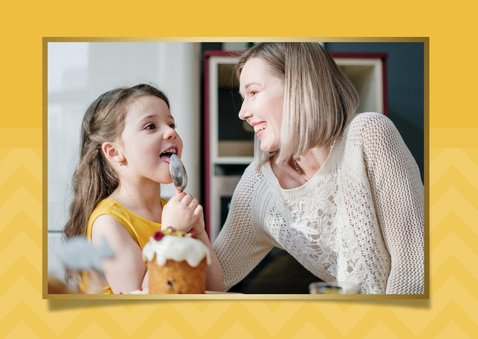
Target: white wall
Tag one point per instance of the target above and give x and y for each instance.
(79, 72)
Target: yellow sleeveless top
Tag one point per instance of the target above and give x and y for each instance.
(140, 229)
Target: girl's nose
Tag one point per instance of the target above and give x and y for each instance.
(170, 133)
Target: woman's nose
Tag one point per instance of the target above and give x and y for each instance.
(244, 113)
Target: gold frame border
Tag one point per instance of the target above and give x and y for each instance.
(237, 296)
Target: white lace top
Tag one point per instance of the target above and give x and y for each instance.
(358, 219)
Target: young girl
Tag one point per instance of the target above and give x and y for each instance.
(127, 138)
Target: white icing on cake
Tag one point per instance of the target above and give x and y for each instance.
(176, 248)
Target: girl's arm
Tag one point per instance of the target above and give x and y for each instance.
(126, 271)
(184, 213)
(215, 279)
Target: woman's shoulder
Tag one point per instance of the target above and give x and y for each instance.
(369, 125)
(254, 178)
(253, 170)
(367, 118)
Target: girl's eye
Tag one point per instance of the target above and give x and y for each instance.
(172, 125)
(253, 93)
(150, 126)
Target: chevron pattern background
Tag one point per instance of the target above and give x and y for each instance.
(450, 312)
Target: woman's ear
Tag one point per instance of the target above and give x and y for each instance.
(113, 153)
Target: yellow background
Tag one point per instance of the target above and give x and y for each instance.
(453, 168)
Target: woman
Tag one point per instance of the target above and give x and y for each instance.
(338, 190)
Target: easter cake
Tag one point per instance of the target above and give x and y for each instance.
(176, 262)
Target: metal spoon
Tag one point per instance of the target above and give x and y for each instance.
(178, 173)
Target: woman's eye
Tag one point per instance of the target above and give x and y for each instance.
(253, 93)
(150, 126)
(172, 125)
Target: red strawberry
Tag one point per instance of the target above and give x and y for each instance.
(158, 235)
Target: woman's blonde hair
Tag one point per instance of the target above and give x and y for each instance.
(94, 179)
(319, 100)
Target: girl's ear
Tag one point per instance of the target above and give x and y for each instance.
(113, 153)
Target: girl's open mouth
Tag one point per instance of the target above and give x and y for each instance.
(166, 154)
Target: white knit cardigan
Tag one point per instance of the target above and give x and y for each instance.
(359, 219)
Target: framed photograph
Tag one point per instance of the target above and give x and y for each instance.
(199, 79)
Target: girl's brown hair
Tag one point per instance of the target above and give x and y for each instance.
(94, 179)
(319, 100)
